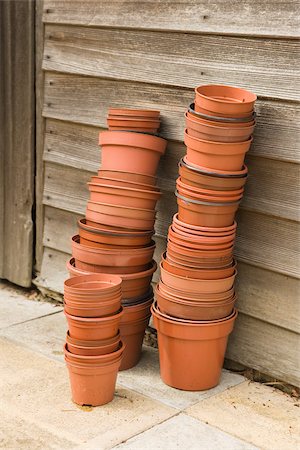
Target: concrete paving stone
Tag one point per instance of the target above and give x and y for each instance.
(185, 432)
(16, 308)
(255, 413)
(45, 335)
(36, 389)
(18, 434)
(145, 378)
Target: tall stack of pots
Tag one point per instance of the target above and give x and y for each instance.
(194, 311)
(93, 349)
(115, 237)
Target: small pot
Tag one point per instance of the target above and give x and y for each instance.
(133, 284)
(184, 345)
(93, 285)
(94, 329)
(204, 274)
(121, 196)
(92, 348)
(206, 214)
(182, 309)
(93, 384)
(130, 177)
(102, 236)
(226, 100)
(137, 257)
(135, 152)
(203, 231)
(126, 112)
(209, 132)
(216, 155)
(196, 284)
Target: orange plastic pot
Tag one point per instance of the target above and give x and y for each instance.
(142, 125)
(132, 330)
(197, 297)
(203, 231)
(135, 152)
(216, 155)
(200, 347)
(92, 348)
(209, 132)
(204, 274)
(200, 254)
(90, 286)
(182, 309)
(102, 180)
(208, 194)
(94, 360)
(103, 236)
(94, 328)
(130, 177)
(221, 120)
(118, 216)
(128, 112)
(196, 241)
(100, 308)
(121, 196)
(206, 214)
(133, 284)
(226, 100)
(196, 284)
(137, 257)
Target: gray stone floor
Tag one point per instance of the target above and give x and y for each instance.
(37, 412)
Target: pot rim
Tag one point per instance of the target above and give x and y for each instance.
(70, 283)
(131, 173)
(121, 207)
(118, 315)
(230, 266)
(146, 187)
(191, 109)
(76, 240)
(136, 139)
(216, 126)
(117, 352)
(198, 202)
(82, 224)
(218, 143)
(200, 280)
(133, 111)
(217, 100)
(199, 228)
(243, 173)
(122, 189)
(207, 192)
(109, 341)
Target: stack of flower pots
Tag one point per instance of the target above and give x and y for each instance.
(115, 237)
(194, 311)
(93, 349)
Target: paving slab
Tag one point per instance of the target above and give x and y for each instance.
(145, 378)
(16, 308)
(255, 413)
(45, 335)
(35, 389)
(185, 432)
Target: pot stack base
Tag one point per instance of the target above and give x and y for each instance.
(194, 312)
(115, 237)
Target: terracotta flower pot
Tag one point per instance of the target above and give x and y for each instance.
(94, 360)
(133, 284)
(182, 309)
(208, 194)
(100, 308)
(202, 231)
(121, 196)
(196, 284)
(216, 155)
(131, 177)
(94, 328)
(203, 297)
(206, 214)
(204, 274)
(196, 241)
(124, 238)
(118, 216)
(226, 100)
(92, 348)
(132, 330)
(139, 257)
(210, 118)
(90, 286)
(127, 112)
(184, 345)
(135, 152)
(93, 384)
(216, 180)
(216, 133)
(102, 180)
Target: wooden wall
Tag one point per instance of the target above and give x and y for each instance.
(151, 54)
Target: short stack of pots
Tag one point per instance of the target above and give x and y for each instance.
(115, 237)
(194, 311)
(93, 349)
(139, 120)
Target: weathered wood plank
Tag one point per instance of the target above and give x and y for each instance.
(265, 347)
(17, 130)
(269, 18)
(261, 293)
(85, 100)
(184, 60)
(267, 190)
(262, 240)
